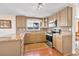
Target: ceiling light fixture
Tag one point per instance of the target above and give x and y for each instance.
(40, 5)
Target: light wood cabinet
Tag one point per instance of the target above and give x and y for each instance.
(59, 43)
(44, 23)
(63, 17)
(34, 37)
(66, 17)
(69, 16)
(11, 47)
(63, 44)
(54, 40)
(20, 21)
(58, 19)
(20, 24)
(67, 45)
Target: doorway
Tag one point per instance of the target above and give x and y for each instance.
(77, 34)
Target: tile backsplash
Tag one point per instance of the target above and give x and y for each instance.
(66, 28)
(63, 29)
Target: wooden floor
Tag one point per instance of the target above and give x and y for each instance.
(40, 49)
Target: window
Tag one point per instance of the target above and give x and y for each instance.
(33, 25)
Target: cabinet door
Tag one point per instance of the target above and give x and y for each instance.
(66, 17)
(43, 37)
(26, 39)
(69, 16)
(54, 41)
(58, 19)
(67, 45)
(41, 23)
(20, 21)
(59, 44)
(46, 22)
(63, 17)
(32, 38)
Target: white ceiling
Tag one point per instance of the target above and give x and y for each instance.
(29, 9)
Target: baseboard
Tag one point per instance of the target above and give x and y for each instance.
(35, 42)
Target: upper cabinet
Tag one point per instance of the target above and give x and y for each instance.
(41, 23)
(65, 17)
(69, 16)
(44, 23)
(58, 19)
(20, 21)
(20, 24)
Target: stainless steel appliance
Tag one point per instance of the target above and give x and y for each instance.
(49, 36)
(49, 39)
(56, 30)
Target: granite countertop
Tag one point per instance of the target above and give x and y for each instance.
(63, 33)
(66, 33)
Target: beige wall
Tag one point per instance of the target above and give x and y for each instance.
(12, 30)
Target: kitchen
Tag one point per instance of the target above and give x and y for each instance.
(54, 31)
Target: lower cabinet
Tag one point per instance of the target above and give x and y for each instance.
(34, 37)
(10, 48)
(67, 45)
(63, 43)
(59, 44)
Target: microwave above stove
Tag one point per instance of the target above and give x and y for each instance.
(56, 31)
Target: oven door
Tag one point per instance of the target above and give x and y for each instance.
(49, 40)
